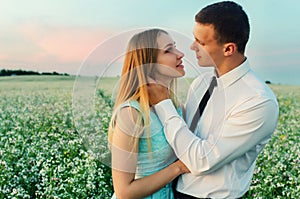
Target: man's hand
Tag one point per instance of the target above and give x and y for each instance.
(157, 92)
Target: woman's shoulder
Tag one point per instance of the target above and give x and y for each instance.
(130, 104)
(127, 118)
(129, 109)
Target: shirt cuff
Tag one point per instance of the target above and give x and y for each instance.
(165, 110)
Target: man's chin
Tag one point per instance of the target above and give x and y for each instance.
(205, 65)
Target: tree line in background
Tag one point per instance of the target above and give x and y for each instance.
(5, 72)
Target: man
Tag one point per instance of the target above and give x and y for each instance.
(221, 145)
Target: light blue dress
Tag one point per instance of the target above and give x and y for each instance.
(161, 154)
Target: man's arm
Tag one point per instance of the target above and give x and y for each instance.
(249, 126)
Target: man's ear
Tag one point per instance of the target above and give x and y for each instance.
(229, 49)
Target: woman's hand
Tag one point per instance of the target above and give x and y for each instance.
(182, 167)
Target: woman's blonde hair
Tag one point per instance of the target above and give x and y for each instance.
(140, 60)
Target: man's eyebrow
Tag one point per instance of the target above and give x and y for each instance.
(196, 38)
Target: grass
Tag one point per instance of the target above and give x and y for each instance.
(44, 154)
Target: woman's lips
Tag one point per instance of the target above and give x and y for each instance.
(180, 65)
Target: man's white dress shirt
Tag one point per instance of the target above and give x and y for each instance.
(239, 119)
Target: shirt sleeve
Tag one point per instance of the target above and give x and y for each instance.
(251, 125)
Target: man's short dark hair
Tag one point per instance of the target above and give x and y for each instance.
(230, 23)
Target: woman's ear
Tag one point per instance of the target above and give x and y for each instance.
(229, 49)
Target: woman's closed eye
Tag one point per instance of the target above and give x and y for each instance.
(170, 49)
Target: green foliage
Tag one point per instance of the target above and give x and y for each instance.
(277, 168)
(42, 154)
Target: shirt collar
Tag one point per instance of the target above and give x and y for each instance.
(234, 75)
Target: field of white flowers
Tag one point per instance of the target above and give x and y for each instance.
(42, 154)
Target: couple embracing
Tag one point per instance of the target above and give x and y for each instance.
(207, 147)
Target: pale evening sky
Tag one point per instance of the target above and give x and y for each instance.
(59, 35)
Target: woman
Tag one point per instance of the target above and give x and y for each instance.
(143, 163)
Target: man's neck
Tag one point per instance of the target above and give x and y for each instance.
(230, 63)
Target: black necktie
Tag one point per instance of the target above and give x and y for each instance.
(203, 103)
(197, 115)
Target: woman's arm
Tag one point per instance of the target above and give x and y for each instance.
(127, 187)
(124, 160)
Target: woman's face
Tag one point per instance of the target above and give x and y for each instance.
(169, 63)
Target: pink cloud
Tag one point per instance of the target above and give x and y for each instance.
(48, 48)
(64, 44)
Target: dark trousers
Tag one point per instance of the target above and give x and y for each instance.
(179, 195)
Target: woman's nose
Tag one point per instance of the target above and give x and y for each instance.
(180, 54)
